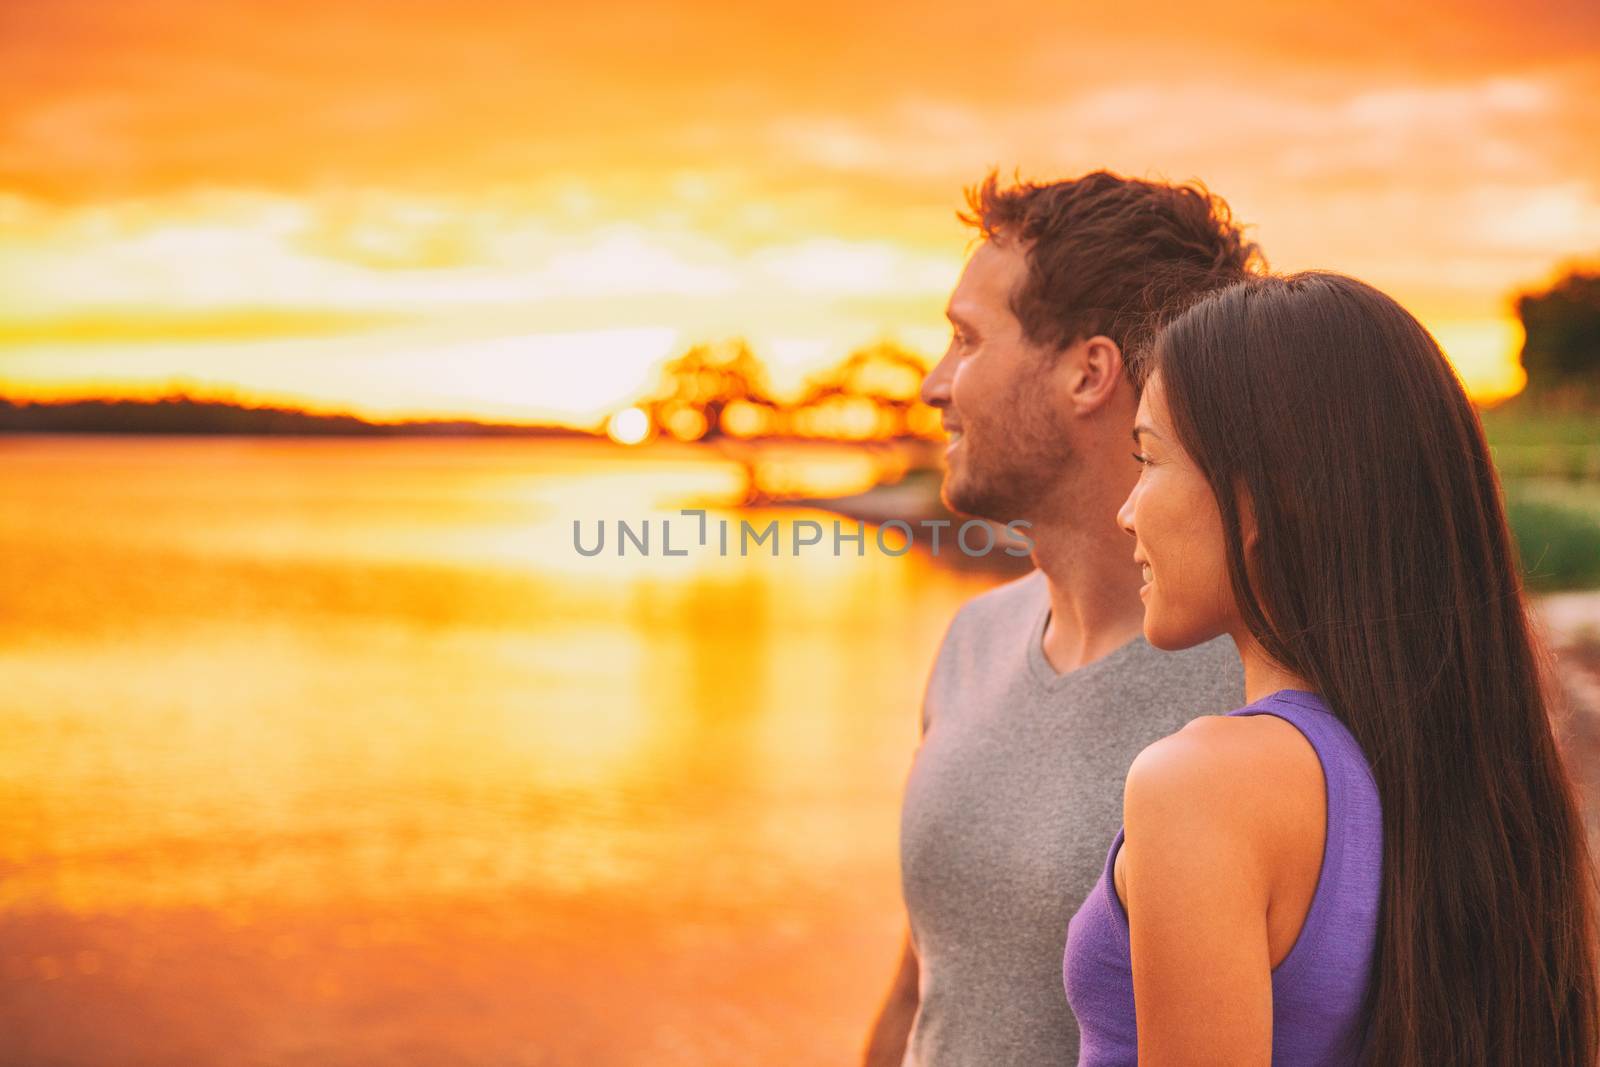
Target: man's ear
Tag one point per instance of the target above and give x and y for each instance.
(1093, 369)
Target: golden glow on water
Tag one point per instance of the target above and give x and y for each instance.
(303, 733)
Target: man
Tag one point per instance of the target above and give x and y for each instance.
(1044, 688)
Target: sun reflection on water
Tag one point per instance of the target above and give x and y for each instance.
(299, 719)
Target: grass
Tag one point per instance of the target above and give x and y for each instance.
(1579, 497)
(1560, 546)
(1530, 440)
(1556, 525)
(1518, 425)
(1548, 455)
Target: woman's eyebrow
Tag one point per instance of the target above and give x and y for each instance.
(1142, 428)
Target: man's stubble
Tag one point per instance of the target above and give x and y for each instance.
(1016, 457)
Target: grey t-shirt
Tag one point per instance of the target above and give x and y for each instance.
(1013, 799)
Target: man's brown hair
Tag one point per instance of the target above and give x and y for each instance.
(1111, 255)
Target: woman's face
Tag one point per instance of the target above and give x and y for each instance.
(1177, 531)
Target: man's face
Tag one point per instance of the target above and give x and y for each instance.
(1008, 441)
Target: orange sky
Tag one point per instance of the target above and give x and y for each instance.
(515, 210)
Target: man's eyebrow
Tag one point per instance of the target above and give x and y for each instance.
(957, 319)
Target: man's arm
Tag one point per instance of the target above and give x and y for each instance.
(886, 1047)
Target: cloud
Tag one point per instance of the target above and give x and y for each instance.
(205, 254)
(861, 268)
(784, 173)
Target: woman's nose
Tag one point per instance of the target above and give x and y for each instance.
(1125, 513)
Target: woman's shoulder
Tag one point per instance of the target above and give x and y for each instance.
(1227, 754)
(1252, 776)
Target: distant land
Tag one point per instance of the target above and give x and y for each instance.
(187, 415)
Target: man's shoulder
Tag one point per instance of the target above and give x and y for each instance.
(1205, 679)
(987, 639)
(1217, 655)
(1011, 603)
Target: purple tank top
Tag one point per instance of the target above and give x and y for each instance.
(1318, 989)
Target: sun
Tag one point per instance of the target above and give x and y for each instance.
(629, 426)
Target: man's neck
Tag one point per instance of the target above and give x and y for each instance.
(1093, 583)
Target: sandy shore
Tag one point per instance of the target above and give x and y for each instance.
(1572, 626)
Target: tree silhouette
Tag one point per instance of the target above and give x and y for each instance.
(182, 414)
(717, 390)
(1563, 333)
(704, 383)
(874, 392)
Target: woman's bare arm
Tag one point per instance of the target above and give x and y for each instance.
(1212, 814)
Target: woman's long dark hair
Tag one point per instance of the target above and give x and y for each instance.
(1384, 574)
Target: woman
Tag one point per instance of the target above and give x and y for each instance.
(1379, 859)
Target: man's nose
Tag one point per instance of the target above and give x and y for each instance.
(936, 386)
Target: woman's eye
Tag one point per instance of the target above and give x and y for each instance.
(1141, 458)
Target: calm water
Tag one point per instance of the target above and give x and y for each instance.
(338, 753)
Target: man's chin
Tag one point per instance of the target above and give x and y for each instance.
(963, 498)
